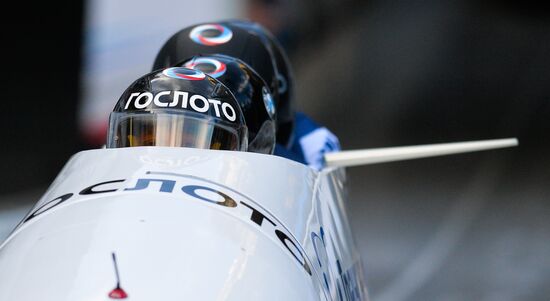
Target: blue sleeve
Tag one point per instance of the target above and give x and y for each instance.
(282, 151)
(310, 142)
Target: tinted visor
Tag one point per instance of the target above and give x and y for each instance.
(182, 129)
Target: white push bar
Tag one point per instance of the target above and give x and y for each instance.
(391, 154)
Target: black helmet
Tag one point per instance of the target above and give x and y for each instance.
(220, 38)
(177, 107)
(285, 76)
(251, 93)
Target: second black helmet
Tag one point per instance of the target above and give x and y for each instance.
(251, 92)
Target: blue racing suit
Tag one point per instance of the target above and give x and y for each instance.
(309, 143)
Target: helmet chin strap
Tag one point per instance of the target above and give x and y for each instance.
(392, 154)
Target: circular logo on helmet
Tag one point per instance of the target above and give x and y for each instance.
(207, 65)
(184, 73)
(268, 101)
(211, 34)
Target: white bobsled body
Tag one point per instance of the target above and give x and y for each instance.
(158, 223)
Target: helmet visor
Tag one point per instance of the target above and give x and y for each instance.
(170, 129)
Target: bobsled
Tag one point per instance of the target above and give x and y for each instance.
(166, 223)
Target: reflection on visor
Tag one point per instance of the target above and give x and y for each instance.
(177, 130)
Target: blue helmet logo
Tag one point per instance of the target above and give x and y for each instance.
(198, 34)
(184, 73)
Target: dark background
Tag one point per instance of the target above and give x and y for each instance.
(40, 80)
(376, 73)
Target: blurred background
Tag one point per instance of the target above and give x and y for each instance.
(376, 73)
